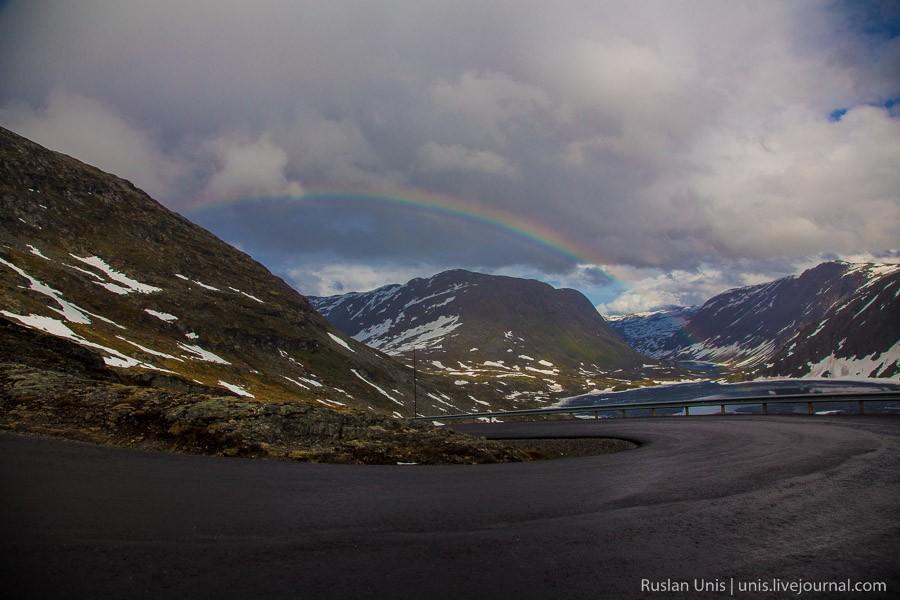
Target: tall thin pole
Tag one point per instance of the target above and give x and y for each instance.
(414, 382)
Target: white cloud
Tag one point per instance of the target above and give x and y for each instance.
(441, 158)
(330, 149)
(652, 289)
(652, 134)
(885, 257)
(249, 169)
(485, 107)
(96, 134)
(330, 278)
(801, 185)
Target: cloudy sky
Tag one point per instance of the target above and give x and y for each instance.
(669, 150)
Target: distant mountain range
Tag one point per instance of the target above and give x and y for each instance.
(499, 338)
(517, 342)
(649, 332)
(98, 267)
(838, 319)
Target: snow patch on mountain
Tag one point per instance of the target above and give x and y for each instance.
(428, 335)
(71, 312)
(236, 389)
(36, 252)
(199, 353)
(56, 327)
(162, 316)
(127, 283)
(876, 364)
(340, 342)
(543, 371)
(206, 286)
(377, 388)
(252, 297)
(150, 350)
(375, 331)
(453, 288)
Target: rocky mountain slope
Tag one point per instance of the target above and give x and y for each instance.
(96, 263)
(501, 339)
(837, 319)
(858, 336)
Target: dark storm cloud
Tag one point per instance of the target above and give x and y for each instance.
(683, 137)
(361, 232)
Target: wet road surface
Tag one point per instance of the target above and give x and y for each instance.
(816, 498)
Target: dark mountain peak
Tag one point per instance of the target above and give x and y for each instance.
(524, 329)
(827, 269)
(465, 276)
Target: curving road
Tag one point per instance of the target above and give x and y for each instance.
(705, 497)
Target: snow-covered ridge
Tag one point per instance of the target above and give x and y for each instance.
(766, 328)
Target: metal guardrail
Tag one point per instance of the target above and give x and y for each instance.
(596, 409)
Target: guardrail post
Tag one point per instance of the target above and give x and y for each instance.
(862, 409)
(765, 407)
(623, 413)
(596, 415)
(809, 408)
(687, 410)
(722, 410)
(653, 412)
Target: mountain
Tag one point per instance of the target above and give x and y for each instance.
(90, 259)
(647, 332)
(464, 315)
(502, 338)
(836, 319)
(859, 335)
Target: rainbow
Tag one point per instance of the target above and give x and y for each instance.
(452, 206)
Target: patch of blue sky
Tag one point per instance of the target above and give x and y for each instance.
(837, 114)
(891, 104)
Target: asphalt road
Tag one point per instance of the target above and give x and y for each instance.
(703, 497)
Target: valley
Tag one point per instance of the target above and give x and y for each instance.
(104, 289)
(502, 342)
(514, 343)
